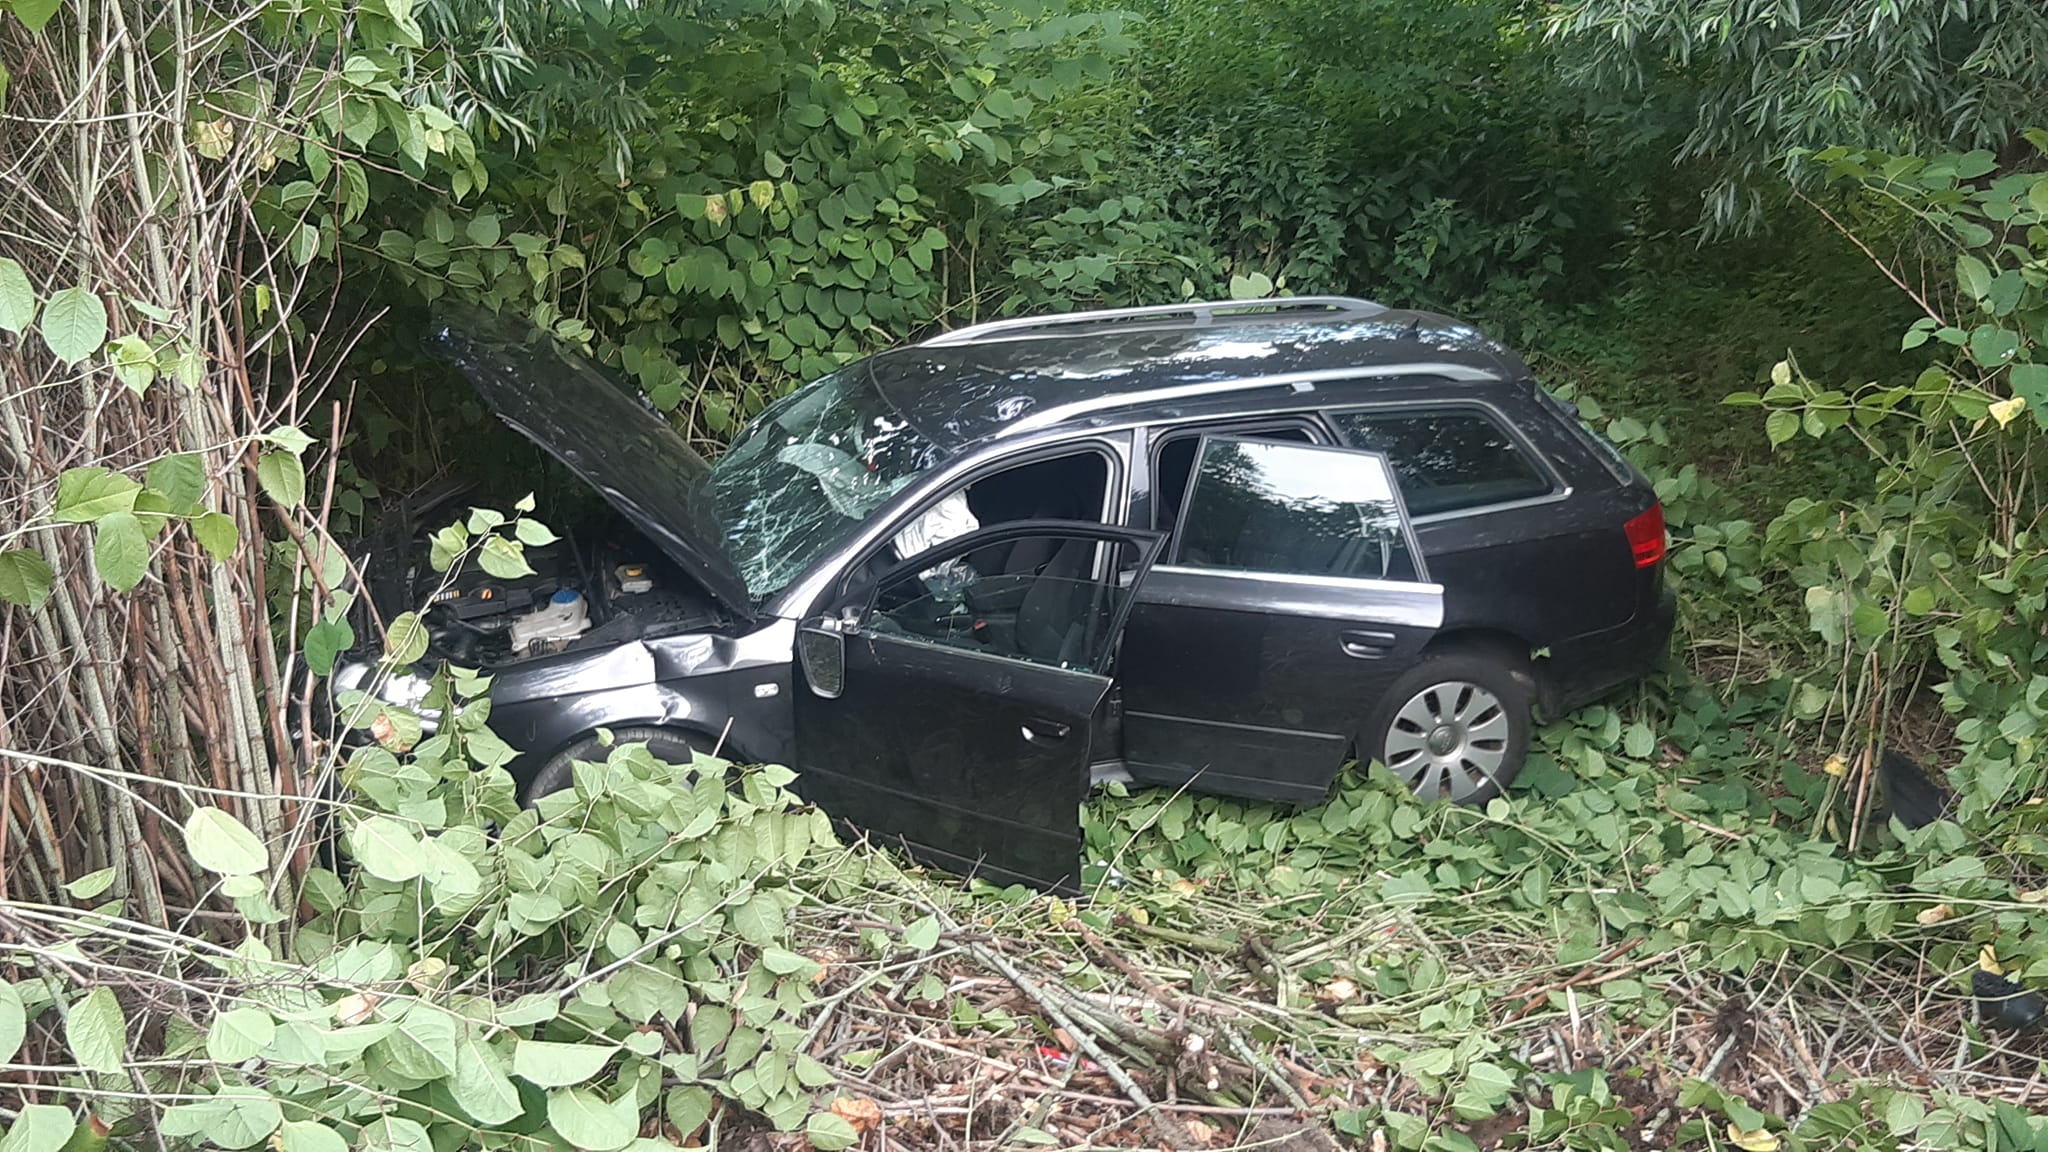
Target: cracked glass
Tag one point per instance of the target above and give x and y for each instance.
(810, 470)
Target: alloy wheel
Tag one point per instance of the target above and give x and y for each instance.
(1448, 741)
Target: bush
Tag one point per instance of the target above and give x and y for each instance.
(471, 974)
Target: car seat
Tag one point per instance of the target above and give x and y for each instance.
(1052, 621)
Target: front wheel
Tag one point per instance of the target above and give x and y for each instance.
(664, 744)
(1454, 727)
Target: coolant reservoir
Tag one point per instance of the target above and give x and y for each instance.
(565, 617)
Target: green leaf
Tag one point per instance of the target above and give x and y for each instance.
(397, 1134)
(590, 1122)
(2031, 381)
(688, 1107)
(551, 1065)
(74, 325)
(216, 532)
(97, 1032)
(387, 849)
(484, 230)
(13, 1022)
(533, 533)
(34, 14)
(134, 363)
(246, 1118)
(17, 298)
(760, 920)
(327, 640)
(39, 1128)
(922, 936)
(1781, 426)
(503, 558)
(309, 1136)
(289, 438)
(88, 493)
(406, 639)
(91, 884)
(1638, 741)
(480, 1085)
(25, 577)
(830, 1132)
(222, 845)
(120, 550)
(709, 1027)
(283, 478)
(1973, 275)
(304, 244)
(422, 1046)
(239, 1034)
(179, 478)
(532, 1008)
(1992, 346)
(1903, 1113)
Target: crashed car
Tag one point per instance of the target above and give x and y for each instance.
(1230, 546)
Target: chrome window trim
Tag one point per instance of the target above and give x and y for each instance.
(1198, 313)
(1356, 598)
(1355, 583)
(1038, 421)
(1558, 496)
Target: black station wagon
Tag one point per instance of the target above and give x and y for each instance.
(1230, 546)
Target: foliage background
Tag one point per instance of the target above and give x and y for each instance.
(224, 225)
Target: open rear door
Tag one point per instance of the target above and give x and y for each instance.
(945, 707)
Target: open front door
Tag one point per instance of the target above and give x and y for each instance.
(945, 706)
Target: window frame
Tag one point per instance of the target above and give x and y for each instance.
(1546, 469)
(1158, 436)
(1116, 496)
(1170, 559)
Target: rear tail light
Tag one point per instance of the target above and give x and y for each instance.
(1646, 536)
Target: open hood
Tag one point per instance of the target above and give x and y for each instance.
(592, 422)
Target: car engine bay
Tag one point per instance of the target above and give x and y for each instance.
(599, 584)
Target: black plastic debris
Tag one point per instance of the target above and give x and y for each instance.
(2005, 1005)
(1910, 793)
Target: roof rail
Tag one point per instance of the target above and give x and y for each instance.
(1193, 314)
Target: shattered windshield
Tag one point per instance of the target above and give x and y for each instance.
(807, 472)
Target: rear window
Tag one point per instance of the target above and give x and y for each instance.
(1448, 460)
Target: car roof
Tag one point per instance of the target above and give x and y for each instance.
(1011, 376)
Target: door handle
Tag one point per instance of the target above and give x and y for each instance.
(1042, 731)
(1368, 644)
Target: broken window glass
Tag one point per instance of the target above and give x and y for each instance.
(814, 466)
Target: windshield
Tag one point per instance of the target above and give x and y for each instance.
(807, 472)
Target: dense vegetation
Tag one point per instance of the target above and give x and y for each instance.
(1793, 257)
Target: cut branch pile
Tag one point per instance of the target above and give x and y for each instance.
(1140, 1036)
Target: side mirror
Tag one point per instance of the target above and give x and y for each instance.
(821, 649)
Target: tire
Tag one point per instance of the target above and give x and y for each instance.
(1456, 726)
(664, 744)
